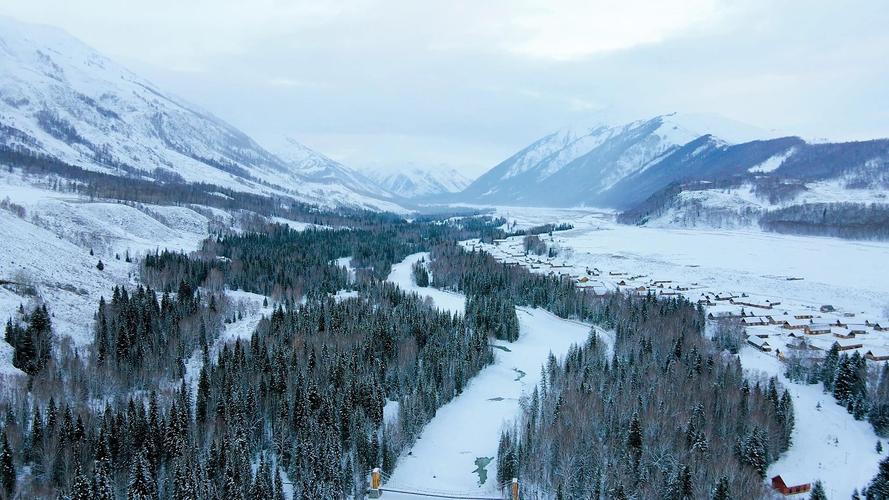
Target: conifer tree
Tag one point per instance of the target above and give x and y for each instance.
(82, 489)
(878, 489)
(818, 492)
(7, 468)
(721, 491)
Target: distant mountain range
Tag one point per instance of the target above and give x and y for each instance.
(61, 98)
(418, 183)
(675, 163)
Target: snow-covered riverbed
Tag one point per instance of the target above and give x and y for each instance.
(468, 428)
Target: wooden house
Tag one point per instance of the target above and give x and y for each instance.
(842, 333)
(817, 329)
(583, 279)
(782, 487)
(873, 356)
(802, 316)
(754, 321)
(794, 325)
(760, 343)
(849, 347)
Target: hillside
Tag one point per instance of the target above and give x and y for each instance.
(61, 98)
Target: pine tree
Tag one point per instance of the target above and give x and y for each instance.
(634, 436)
(818, 492)
(7, 469)
(829, 367)
(878, 489)
(721, 491)
(102, 486)
(141, 485)
(82, 489)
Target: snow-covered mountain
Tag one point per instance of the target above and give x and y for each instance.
(327, 176)
(61, 98)
(416, 182)
(623, 166)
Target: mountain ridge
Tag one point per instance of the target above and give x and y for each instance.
(61, 98)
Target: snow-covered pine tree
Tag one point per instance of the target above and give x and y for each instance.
(721, 490)
(7, 468)
(818, 492)
(81, 489)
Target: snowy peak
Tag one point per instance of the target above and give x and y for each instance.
(416, 182)
(61, 98)
(314, 167)
(620, 166)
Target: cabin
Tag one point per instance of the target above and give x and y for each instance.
(802, 316)
(827, 308)
(874, 356)
(622, 283)
(817, 329)
(782, 487)
(759, 343)
(849, 347)
(614, 273)
(753, 321)
(725, 296)
(794, 325)
(750, 304)
(721, 315)
(842, 333)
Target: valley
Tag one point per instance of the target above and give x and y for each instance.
(665, 305)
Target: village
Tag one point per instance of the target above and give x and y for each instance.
(778, 326)
(771, 323)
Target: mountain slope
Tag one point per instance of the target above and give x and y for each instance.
(623, 166)
(568, 167)
(419, 182)
(61, 98)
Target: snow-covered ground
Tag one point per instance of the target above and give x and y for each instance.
(800, 273)
(828, 444)
(402, 276)
(48, 248)
(468, 428)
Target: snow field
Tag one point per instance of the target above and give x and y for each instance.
(828, 444)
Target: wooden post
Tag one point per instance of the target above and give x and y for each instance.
(515, 489)
(375, 483)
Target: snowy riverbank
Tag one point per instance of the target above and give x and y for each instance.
(468, 428)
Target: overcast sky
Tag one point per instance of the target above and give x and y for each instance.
(467, 83)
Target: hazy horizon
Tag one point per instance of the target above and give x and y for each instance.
(390, 84)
